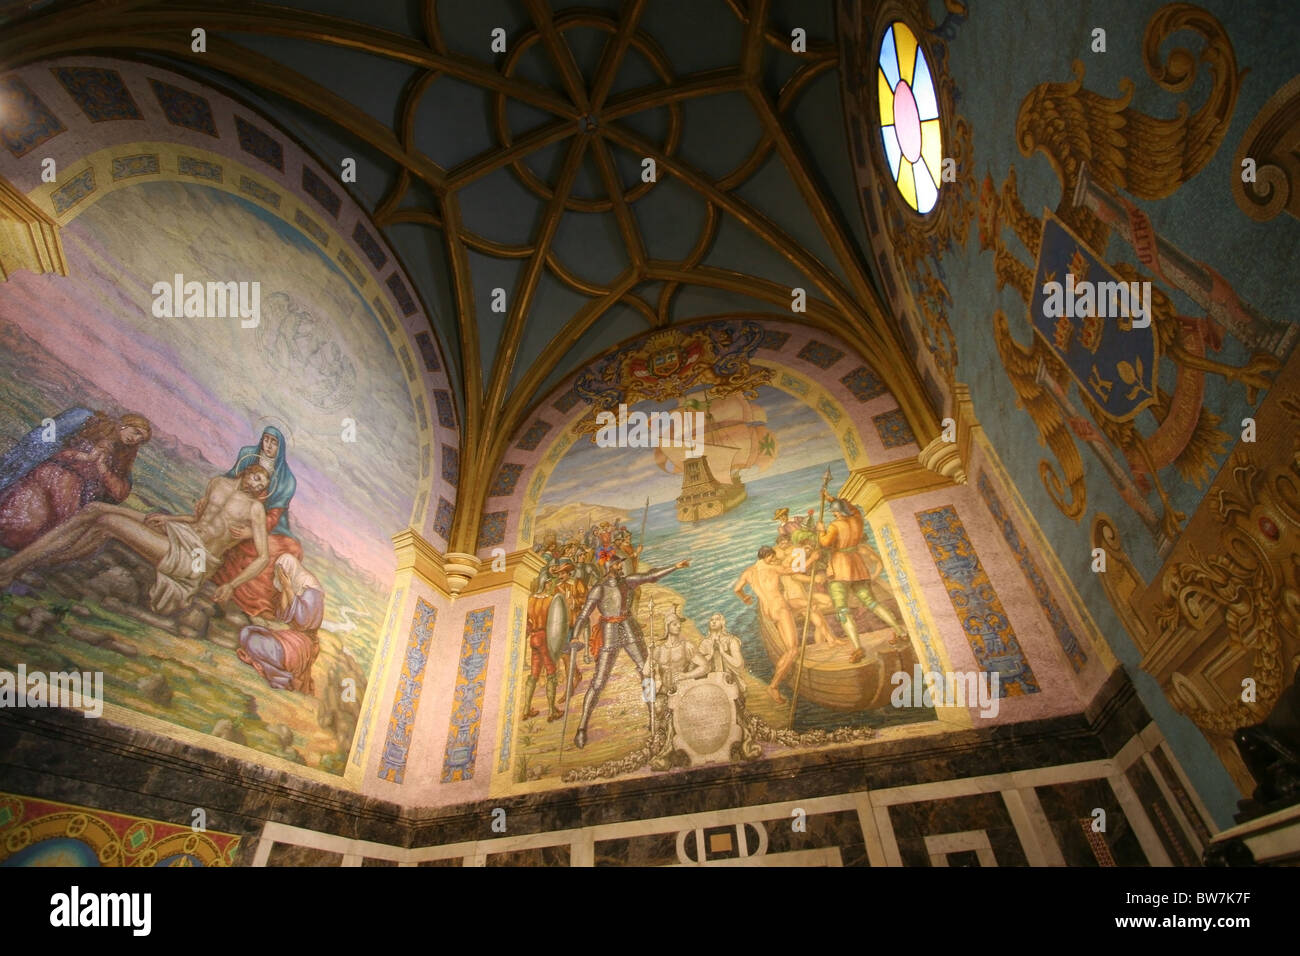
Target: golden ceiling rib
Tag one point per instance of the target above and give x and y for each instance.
(815, 51)
(490, 160)
(751, 50)
(466, 321)
(526, 287)
(615, 50)
(239, 16)
(519, 403)
(754, 220)
(561, 55)
(690, 86)
(827, 222)
(627, 225)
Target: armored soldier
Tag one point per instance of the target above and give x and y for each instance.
(547, 631)
(613, 598)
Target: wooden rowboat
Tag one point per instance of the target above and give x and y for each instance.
(831, 680)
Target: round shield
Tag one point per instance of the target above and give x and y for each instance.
(557, 626)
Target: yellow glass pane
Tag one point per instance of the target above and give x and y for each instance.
(886, 97)
(907, 183)
(905, 43)
(932, 148)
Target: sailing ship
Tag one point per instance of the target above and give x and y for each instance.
(735, 437)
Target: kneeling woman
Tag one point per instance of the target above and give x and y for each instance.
(284, 656)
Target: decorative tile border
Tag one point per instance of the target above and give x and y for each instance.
(565, 402)
(820, 354)
(28, 122)
(352, 269)
(366, 243)
(74, 190)
(864, 384)
(533, 437)
(446, 412)
(424, 341)
(268, 196)
(142, 164)
(492, 530)
(505, 481)
(100, 93)
(467, 708)
(450, 465)
(201, 168)
(406, 699)
(319, 190)
(443, 517)
(893, 429)
(1060, 625)
(185, 109)
(512, 683)
(315, 230)
(903, 585)
(978, 606)
(258, 143)
(401, 294)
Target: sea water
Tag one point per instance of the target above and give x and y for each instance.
(720, 549)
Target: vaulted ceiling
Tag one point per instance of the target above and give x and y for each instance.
(523, 170)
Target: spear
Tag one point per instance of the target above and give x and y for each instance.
(808, 610)
(636, 561)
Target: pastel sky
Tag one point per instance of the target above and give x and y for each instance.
(615, 476)
(318, 357)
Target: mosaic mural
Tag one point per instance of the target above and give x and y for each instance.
(717, 602)
(181, 505)
(44, 833)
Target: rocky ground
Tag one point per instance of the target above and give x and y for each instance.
(94, 615)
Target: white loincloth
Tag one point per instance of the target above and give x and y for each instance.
(177, 580)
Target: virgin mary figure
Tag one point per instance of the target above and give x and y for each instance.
(257, 596)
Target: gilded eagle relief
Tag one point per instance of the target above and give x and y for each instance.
(1083, 378)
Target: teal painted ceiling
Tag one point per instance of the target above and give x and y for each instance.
(578, 100)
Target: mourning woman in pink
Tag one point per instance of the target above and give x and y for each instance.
(284, 656)
(44, 483)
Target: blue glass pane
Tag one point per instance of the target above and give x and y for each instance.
(889, 58)
(923, 89)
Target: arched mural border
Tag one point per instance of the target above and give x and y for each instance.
(254, 185)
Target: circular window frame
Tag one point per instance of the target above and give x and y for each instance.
(882, 36)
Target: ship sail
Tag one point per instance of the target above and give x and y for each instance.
(736, 437)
